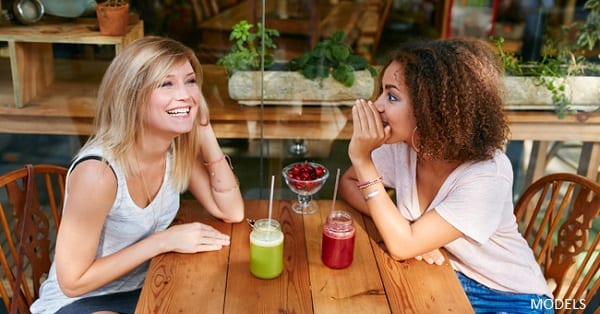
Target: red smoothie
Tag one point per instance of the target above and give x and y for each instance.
(337, 252)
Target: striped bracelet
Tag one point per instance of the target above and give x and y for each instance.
(364, 185)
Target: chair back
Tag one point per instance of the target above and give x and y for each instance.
(31, 201)
(558, 215)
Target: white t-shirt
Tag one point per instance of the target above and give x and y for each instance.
(476, 199)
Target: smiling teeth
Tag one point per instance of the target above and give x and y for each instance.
(179, 111)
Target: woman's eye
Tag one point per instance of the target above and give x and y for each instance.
(191, 81)
(165, 84)
(392, 97)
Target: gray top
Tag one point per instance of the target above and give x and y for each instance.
(125, 225)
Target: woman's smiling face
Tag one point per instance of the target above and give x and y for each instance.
(174, 102)
(395, 105)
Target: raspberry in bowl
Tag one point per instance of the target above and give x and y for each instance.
(305, 179)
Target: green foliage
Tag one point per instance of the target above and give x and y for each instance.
(245, 54)
(331, 57)
(589, 31)
(561, 58)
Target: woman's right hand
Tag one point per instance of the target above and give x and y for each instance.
(194, 237)
(368, 130)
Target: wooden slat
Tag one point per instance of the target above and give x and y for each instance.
(209, 267)
(290, 292)
(30, 51)
(413, 286)
(79, 31)
(351, 290)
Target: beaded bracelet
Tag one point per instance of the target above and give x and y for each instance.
(364, 185)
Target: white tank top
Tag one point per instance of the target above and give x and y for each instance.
(125, 225)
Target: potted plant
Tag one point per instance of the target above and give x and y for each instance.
(113, 17)
(564, 79)
(330, 74)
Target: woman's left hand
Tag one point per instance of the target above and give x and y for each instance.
(432, 257)
(368, 131)
(194, 237)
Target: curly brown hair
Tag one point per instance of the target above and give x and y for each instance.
(456, 89)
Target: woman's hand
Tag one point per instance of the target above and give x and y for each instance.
(194, 237)
(432, 257)
(368, 130)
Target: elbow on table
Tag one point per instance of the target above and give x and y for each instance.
(400, 255)
(236, 216)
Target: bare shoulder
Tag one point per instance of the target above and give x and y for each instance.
(93, 176)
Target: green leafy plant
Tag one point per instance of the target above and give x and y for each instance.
(331, 57)
(562, 56)
(245, 54)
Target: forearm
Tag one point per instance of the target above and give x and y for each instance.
(226, 201)
(350, 193)
(106, 269)
(370, 192)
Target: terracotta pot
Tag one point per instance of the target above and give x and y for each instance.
(113, 21)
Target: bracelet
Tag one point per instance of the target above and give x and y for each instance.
(369, 183)
(224, 157)
(371, 195)
(235, 187)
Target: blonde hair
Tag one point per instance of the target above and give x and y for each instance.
(122, 100)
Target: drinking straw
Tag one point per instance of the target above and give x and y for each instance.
(271, 198)
(337, 180)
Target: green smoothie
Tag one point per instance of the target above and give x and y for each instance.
(266, 249)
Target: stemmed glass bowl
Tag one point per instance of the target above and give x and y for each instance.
(305, 179)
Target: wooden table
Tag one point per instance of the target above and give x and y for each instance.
(221, 282)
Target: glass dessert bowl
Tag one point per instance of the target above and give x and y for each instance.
(305, 179)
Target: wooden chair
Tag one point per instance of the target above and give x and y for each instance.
(558, 215)
(30, 210)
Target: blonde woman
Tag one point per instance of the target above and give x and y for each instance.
(153, 141)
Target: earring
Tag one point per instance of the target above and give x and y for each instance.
(412, 140)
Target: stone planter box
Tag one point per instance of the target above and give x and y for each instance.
(291, 88)
(522, 93)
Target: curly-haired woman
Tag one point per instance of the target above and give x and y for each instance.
(435, 134)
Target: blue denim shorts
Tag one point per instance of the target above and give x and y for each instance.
(488, 300)
(123, 303)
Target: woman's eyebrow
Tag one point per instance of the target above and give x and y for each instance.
(390, 86)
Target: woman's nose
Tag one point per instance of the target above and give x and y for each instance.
(182, 92)
(378, 104)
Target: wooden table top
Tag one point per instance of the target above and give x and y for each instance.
(221, 282)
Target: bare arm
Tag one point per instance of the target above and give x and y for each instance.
(403, 239)
(77, 268)
(214, 183)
